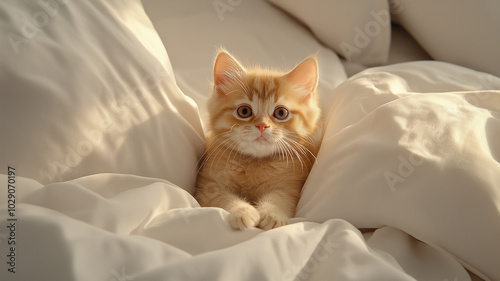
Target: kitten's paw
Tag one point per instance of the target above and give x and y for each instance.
(272, 218)
(244, 217)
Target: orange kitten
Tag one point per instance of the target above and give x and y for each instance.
(262, 141)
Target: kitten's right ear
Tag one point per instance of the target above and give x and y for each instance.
(226, 70)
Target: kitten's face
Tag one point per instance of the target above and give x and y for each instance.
(262, 113)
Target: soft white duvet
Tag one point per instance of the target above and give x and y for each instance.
(102, 148)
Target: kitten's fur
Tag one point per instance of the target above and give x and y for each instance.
(257, 157)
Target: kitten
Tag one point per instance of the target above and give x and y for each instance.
(262, 141)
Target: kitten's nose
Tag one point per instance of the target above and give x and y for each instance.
(262, 126)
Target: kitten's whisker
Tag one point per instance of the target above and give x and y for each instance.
(203, 158)
(235, 150)
(306, 151)
(285, 152)
(312, 138)
(235, 124)
(299, 157)
(231, 139)
(215, 151)
(215, 148)
(228, 159)
(293, 155)
(290, 152)
(299, 151)
(235, 154)
(300, 147)
(277, 153)
(306, 138)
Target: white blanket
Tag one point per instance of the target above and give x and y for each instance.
(99, 155)
(120, 227)
(384, 176)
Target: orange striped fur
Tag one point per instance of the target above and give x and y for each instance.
(262, 141)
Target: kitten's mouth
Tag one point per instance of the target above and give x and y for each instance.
(262, 139)
(260, 146)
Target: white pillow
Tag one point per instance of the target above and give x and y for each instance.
(255, 32)
(360, 31)
(415, 146)
(87, 87)
(458, 31)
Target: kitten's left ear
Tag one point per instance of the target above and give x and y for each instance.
(305, 74)
(226, 69)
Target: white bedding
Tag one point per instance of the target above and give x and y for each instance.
(104, 147)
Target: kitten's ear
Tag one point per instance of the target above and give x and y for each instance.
(226, 69)
(305, 74)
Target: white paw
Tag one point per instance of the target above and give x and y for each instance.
(272, 218)
(244, 217)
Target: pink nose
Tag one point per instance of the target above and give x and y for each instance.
(262, 127)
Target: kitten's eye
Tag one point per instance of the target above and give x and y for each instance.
(244, 111)
(281, 113)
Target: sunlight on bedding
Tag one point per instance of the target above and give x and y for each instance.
(101, 136)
